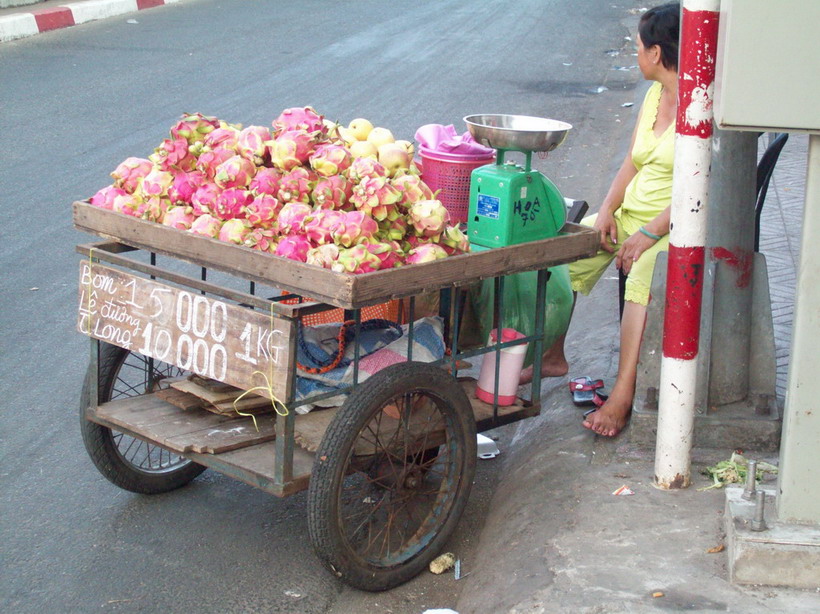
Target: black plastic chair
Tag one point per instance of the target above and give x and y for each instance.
(765, 168)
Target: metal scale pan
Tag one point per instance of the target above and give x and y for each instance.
(517, 132)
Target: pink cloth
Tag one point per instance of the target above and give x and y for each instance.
(443, 139)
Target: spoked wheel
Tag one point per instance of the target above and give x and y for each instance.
(392, 476)
(128, 462)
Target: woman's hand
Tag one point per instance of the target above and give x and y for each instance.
(607, 230)
(631, 250)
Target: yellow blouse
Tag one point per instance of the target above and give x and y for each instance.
(650, 191)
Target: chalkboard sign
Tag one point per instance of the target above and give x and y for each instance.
(214, 339)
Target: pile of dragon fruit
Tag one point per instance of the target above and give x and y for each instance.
(297, 190)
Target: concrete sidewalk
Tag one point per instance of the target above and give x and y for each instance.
(557, 540)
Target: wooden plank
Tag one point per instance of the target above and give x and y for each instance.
(213, 397)
(214, 339)
(227, 436)
(339, 289)
(178, 398)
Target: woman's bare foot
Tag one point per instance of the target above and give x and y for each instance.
(609, 419)
(548, 369)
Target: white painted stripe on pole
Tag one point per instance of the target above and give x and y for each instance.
(99, 9)
(702, 5)
(676, 421)
(18, 26)
(690, 190)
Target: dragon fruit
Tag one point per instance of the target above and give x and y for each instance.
(412, 189)
(193, 127)
(454, 241)
(428, 217)
(262, 211)
(231, 203)
(321, 224)
(184, 186)
(235, 172)
(252, 143)
(355, 227)
(389, 252)
(234, 231)
(104, 199)
(172, 154)
(205, 197)
(292, 218)
(426, 252)
(365, 167)
(155, 207)
(356, 260)
(266, 181)
(129, 172)
(155, 183)
(179, 217)
(376, 196)
(291, 148)
(323, 256)
(294, 247)
(210, 161)
(332, 192)
(296, 186)
(263, 239)
(305, 118)
(128, 204)
(329, 159)
(393, 230)
(206, 225)
(224, 137)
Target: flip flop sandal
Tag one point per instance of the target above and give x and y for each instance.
(583, 390)
(597, 400)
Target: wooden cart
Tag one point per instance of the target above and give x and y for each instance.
(388, 472)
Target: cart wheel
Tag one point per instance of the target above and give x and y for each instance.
(392, 476)
(131, 463)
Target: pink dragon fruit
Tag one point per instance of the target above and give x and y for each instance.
(262, 211)
(205, 197)
(412, 189)
(323, 256)
(210, 161)
(292, 217)
(389, 252)
(129, 172)
(179, 217)
(235, 172)
(291, 148)
(231, 203)
(329, 159)
(428, 217)
(252, 143)
(173, 155)
(321, 224)
(193, 127)
(332, 192)
(266, 181)
(426, 252)
(155, 207)
(262, 239)
(129, 204)
(234, 231)
(365, 167)
(294, 247)
(393, 230)
(356, 227)
(184, 186)
(155, 183)
(356, 260)
(224, 137)
(375, 195)
(305, 118)
(207, 225)
(454, 241)
(104, 199)
(296, 186)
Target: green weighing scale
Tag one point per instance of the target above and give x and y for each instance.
(511, 204)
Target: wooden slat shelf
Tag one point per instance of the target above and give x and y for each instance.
(338, 289)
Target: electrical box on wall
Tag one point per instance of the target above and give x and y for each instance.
(768, 66)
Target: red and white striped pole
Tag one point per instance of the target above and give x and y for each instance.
(684, 281)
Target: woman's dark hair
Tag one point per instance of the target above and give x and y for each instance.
(661, 26)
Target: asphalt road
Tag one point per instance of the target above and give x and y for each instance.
(75, 102)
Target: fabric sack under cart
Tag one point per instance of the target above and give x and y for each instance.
(378, 349)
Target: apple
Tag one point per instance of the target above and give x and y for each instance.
(408, 146)
(364, 149)
(360, 128)
(380, 136)
(394, 158)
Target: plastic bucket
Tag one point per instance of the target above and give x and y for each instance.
(450, 173)
(509, 372)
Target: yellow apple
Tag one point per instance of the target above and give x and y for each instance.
(360, 128)
(394, 158)
(364, 149)
(408, 147)
(380, 136)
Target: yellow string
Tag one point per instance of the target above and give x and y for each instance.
(88, 291)
(267, 387)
